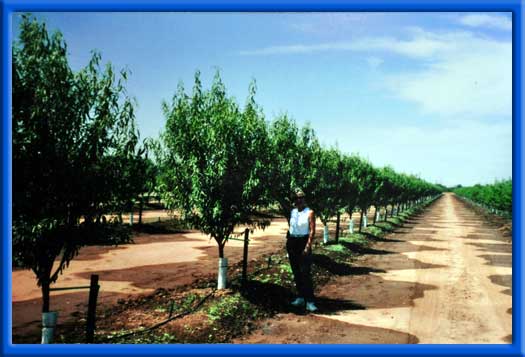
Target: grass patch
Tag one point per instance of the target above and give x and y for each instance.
(231, 316)
(335, 248)
(355, 238)
(376, 231)
(385, 226)
(147, 338)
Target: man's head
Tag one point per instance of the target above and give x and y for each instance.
(299, 198)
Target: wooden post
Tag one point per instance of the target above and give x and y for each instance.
(245, 258)
(92, 308)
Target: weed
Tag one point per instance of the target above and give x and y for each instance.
(376, 231)
(335, 248)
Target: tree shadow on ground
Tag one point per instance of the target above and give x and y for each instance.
(374, 292)
(382, 227)
(494, 247)
(158, 228)
(500, 260)
(360, 249)
(503, 280)
(338, 268)
(375, 238)
(277, 298)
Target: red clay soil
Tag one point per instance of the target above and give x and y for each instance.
(444, 277)
(153, 261)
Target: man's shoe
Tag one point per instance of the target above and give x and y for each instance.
(310, 306)
(298, 302)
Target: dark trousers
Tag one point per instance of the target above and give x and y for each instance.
(301, 267)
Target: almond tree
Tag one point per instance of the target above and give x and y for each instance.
(73, 139)
(368, 184)
(331, 185)
(295, 155)
(213, 165)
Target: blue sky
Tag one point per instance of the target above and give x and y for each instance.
(427, 93)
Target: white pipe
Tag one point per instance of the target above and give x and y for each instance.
(49, 321)
(325, 235)
(223, 270)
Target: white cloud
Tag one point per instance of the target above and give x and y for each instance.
(334, 23)
(472, 76)
(455, 72)
(484, 20)
(418, 47)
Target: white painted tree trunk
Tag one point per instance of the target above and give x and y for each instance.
(351, 226)
(223, 271)
(49, 321)
(325, 235)
(131, 219)
(365, 220)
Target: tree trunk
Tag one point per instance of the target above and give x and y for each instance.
(361, 221)
(398, 208)
(221, 249)
(337, 227)
(141, 208)
(375, 214)
(45, 296)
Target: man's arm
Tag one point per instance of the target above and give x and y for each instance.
(311, 219)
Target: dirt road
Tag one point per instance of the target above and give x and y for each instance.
(445, 277)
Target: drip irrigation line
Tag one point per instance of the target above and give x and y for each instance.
(162, 323)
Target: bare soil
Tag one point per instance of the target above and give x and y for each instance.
(444, 277)
(153, 261)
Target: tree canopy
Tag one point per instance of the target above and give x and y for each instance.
(74, 145)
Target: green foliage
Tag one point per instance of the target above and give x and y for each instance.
(332, 184)
(295, 155)
(213, 166)
(356, 238)
(496, 196)
(231, 308)
(335, 248)
(368, 184)
(75, 146)
(153, 337)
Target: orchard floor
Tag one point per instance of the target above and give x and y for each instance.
(152, 261)
(444, 277)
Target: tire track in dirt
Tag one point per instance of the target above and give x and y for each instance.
(447, 279)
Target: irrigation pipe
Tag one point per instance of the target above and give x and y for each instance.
(162, 323)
